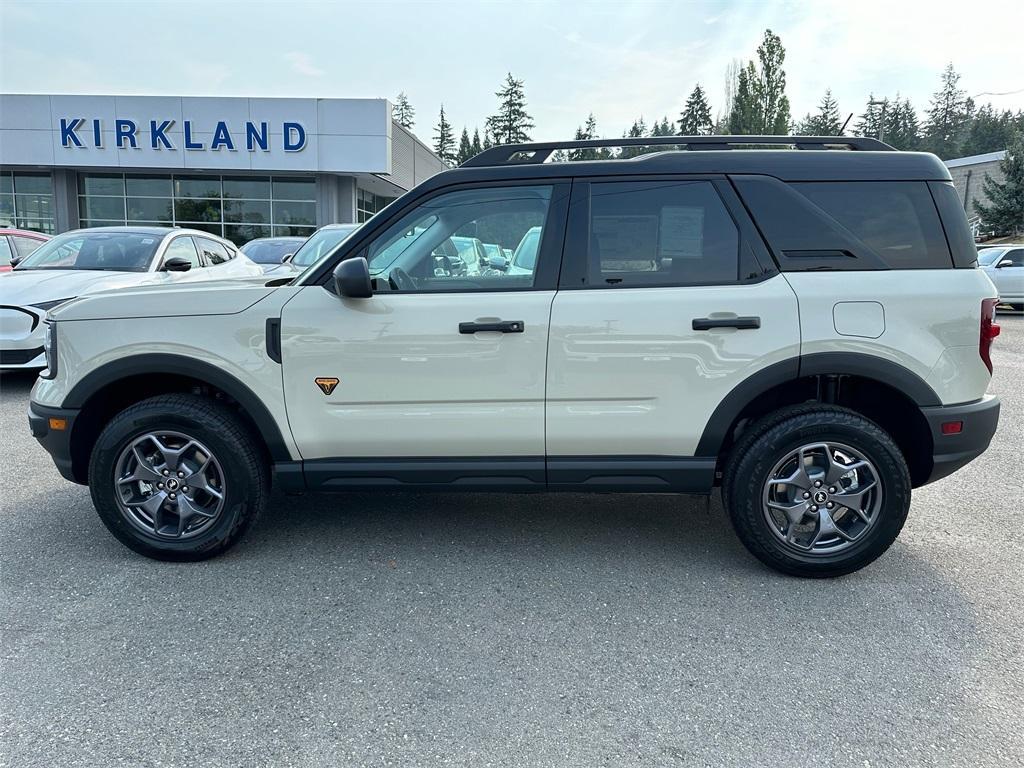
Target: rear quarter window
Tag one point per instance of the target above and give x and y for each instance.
(896, 219)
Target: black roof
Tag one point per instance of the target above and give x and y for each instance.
(815, 158)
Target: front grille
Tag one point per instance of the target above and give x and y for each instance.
(19, 356)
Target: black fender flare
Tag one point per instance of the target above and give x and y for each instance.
(156, 364)
(867, 366)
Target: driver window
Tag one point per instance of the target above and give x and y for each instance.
(461, 241)
(184, 248)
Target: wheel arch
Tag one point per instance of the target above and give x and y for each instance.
(112, 387)
(884, 391)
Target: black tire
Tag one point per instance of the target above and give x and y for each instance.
(768, 442)
(246, 476)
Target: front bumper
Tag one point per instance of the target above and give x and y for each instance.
(44, 422)
(950, 452)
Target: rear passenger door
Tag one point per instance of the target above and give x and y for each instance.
(667, 300)
(1009, 279)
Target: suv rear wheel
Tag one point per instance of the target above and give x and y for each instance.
(177, 477)
(817, 490)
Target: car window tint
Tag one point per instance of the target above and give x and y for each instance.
(214, 252)
(896, 219)
(660, 233)
(1016, 257)
(439, 246)
(182, 248)
(5, 252)
(25, 245)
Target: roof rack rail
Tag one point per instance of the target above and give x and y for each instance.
(539, 152)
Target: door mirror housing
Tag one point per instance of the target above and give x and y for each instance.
(352, 279)
(1004, 263)
(287, 257)
(14, 261)
(500, 263)
(176, 264)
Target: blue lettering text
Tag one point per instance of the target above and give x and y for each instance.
(67, 131)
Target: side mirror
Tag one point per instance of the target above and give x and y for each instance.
(177, 264)
(1000, 265)
(287, 257)
(15, 261)
(499, 263)
(352, 279)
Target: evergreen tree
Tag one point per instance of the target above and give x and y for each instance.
(745, 117)
(444, 139)
(695, 119)
(637, 131)
(511, 124)
(664, 128)
(477, 146)
(870, 122)
(402, 111)
(770, 86)
(902, 129)
(1005, 210)
(488, 141)
(948, 117)
(989, 131)
(465, 148)
(825, 122)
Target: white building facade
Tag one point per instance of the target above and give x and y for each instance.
(238, 167)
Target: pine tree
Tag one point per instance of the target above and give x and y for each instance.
(477, 146)
(444, 139)
(990, 131)
(465, 148)
(770, 86)
(511, 124)
(948, 116)
(745, 117)
(637, 131)
(870, 122)
(402, 112)
(695, 119)
(825, 122)
(488, 141)
(902, 129)
(1005, 210)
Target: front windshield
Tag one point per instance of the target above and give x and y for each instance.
(988, 256)
(320, 243)
(96, 250)
(270, 251)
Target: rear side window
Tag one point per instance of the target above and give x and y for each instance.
(214, 252)
(25, 245)
(663, 233)
(5, 252)
(896, 219)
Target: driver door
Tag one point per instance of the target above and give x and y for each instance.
(437, 363)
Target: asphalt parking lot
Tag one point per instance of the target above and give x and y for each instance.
(554, 630)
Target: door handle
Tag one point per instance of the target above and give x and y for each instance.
(501, 326)
(707, 323)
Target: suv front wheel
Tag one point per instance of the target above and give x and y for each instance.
(177, 477)
(817, 490)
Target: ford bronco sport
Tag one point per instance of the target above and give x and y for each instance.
(806, 329)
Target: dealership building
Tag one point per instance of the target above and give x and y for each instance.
(238, 167)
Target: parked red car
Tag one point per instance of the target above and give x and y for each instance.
(17, 244)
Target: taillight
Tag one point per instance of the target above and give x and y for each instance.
(989, 330)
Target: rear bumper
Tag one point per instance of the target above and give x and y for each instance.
(950, 452)
(57, 442)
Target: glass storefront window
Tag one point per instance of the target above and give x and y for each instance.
(26, 201)
(367, 204)
(237, 207)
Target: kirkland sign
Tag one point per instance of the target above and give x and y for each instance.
(79, 132)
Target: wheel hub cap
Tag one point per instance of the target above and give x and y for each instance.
(822, 498)
(169, 485)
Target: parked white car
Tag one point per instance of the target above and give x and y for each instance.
(86, 261)
(1005, 265)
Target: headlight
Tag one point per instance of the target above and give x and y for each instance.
(50, 349)
(51, 304)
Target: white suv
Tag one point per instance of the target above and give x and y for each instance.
(805, 329)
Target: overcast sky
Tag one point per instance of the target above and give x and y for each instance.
(617, 59)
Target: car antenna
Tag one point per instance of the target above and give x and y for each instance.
(843, 129)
